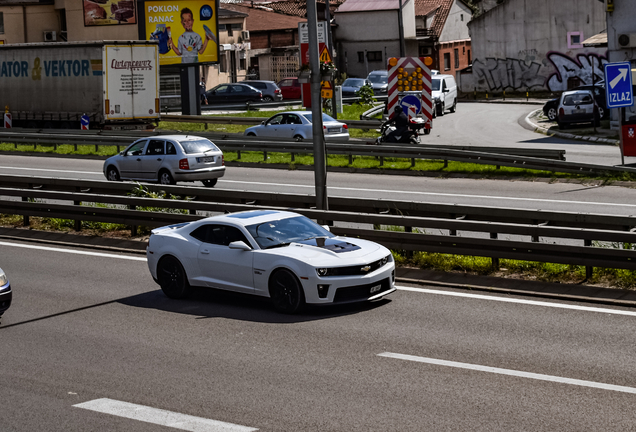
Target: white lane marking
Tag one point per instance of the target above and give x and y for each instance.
(51, 170)
(436, 194)
(161, 417)
(510, 372)
(520, 301)
(72, 251)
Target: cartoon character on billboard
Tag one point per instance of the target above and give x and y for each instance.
(189, 44)
(161, 35)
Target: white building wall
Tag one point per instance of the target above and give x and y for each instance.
(526, 44)
(456, 28)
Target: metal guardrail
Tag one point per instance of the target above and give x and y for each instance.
(520, 158)
(41, 196)
(355, 124)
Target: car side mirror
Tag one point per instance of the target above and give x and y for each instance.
(240, 245)
(263, 123)
(446, 90)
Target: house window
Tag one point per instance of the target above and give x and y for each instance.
(360, 56)
(575, 39)
(461, 17)
(456, 52)
(447, 61)
(1, 23)
(223, 64)
(470, 61)
(374, 56)
(222, 27)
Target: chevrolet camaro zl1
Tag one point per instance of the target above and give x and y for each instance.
(277, 254)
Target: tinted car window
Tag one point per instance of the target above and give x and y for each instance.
(293, 119)
(136, 149)
(221, 235)
(258, 85)
(436, 84)
(223, 89)
(155, 147)
(576, 100)
(285, 231)
(199, 146)
(277, 119)
(170, 148)
(325, 118)
(354, 82)
(379, 79)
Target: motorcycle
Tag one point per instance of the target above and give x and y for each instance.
(411, 136)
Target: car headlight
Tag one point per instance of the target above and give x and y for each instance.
(322, 272)
(3, 278)
(386, 259)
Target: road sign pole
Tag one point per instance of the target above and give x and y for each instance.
(621, 117)
(320, 162)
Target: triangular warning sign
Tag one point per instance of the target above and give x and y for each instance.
(326, 85)
(325, 57)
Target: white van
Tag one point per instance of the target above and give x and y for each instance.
(444, 93)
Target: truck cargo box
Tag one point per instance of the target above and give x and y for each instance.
(115, 83)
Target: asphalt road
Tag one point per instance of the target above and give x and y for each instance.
(96, 330)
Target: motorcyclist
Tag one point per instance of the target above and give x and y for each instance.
(401, 122)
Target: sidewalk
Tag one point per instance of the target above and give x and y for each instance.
(404, 275)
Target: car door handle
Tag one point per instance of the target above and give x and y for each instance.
(138, 159)
(205, 251)
(159, 159)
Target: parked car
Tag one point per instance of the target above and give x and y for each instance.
(277, 254)
(379, 81)
(577, 106)
(271, 91)
(233, 93)
(291, 88)
(444, 93)
(298, 125)
(5, 292)
(168, 159)
(598, 90)
(351, 86)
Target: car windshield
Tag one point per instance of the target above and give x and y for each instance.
(353, 82)
(325, 118)
(379, 79)
(198, 146)
(577, 99)
(282, 232)
(436, 84)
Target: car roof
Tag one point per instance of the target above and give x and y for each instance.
(177, 137)
(250, 217)
(379, 72)
(571, 92)
(261, 81)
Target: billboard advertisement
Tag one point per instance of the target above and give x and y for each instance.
(109, 12)
(186, 30)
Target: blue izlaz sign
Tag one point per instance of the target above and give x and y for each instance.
(618, 85)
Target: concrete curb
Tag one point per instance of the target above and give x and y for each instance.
(545, 131)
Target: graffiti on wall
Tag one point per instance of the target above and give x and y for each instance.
(582, 68)
(497, 74)
(503, 74)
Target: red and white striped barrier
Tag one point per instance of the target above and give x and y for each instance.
(408, 74)
(8, 121)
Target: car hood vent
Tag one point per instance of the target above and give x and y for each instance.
(333, 245)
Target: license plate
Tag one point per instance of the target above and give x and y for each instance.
(578, 111)
(333, 130)
(206, 159)
(375, 289)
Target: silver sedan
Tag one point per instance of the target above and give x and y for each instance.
(168, 159)
(298, 125)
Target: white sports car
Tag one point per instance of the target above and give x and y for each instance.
(276, 254)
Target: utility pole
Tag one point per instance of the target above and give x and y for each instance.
(334, 109)
(320, 163)
(401, 29)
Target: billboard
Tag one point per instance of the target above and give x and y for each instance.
(109, 12)
(186, 30)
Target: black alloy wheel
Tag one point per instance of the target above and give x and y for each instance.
(267, 99)
(172, 278)
(112, 174)
(286, 292)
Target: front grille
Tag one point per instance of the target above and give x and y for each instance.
(360, 292)
(357, 270)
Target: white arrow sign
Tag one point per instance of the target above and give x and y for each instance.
(621, 76)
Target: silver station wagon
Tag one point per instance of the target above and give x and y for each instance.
(168, 159)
